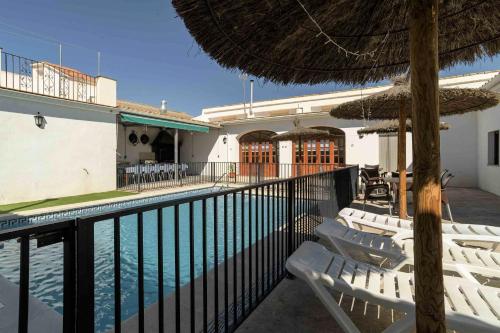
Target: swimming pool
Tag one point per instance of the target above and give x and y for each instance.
(46, 271)
(64, 214)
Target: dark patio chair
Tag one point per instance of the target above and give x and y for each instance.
(376, 191)
(372, 175)
(445, 180)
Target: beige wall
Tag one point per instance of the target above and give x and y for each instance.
(74, 154)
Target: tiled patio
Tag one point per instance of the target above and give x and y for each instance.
(293, 307)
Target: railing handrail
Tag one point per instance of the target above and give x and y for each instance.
(219, 179)
(198, 197)
(43, 78)
(36, 229)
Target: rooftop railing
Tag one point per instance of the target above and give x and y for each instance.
(43, 78)
(200, 263)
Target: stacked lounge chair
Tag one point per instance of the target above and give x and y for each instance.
(469, 305)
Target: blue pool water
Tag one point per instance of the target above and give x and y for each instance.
(46, 263)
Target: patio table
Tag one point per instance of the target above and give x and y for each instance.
(394, 184)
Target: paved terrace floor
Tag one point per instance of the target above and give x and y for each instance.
(293, 307)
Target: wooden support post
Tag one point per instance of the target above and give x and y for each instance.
(403, 211)
(428, 251)
(176, 154)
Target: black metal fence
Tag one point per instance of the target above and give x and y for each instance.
(212, 257)
(43, 78)
(141, 177)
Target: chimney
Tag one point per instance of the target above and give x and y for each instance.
(163, 107)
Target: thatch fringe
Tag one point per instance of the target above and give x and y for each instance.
(392, 126)
(386, 104)
(276, 40)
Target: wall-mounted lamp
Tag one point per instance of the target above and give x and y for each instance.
(224, 140)
(39, 120)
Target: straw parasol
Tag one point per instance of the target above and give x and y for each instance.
(301, 133)
(395, 103)
(392, 127)
(387, 104)
(313, 41)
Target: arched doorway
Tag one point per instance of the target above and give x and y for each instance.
(320, 155)
(259, 154)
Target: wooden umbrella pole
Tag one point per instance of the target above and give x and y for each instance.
(403, 211)
(429, 290)
(300, 157)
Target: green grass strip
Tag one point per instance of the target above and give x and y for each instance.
(20, 206)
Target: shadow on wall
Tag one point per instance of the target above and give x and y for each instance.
(59, 109)
(197, 147)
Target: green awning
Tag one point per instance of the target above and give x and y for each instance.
(163, 123)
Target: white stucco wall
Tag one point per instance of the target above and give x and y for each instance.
(459, 149)
(128, 152)
(488, 175)
(459, 145)
(202, 147)
(388, 152)
(74, 154)
(210, 147)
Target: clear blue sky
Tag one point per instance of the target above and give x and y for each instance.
(144, 46)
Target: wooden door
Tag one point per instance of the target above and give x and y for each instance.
(317, 156)
(258, 159)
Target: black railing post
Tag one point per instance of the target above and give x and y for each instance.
(139, 177)
(290, 218)
(212, 171)
(69, 280)
(24, 284)
(85, 277)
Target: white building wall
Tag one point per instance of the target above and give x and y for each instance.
(210, 147)
(202, 147)
(489, 175)
(388, 152)
(459, 145)
(129, 153)
(74, 154)
(459, 149)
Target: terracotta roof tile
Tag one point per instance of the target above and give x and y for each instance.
(149, 110)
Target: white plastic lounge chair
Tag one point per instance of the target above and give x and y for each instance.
(387, 225)
(469, 307)
(399, 252)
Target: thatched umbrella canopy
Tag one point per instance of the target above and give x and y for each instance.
(313, 41)
(392, 127)
(300, 133)
(387, 104)
(396, 102)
